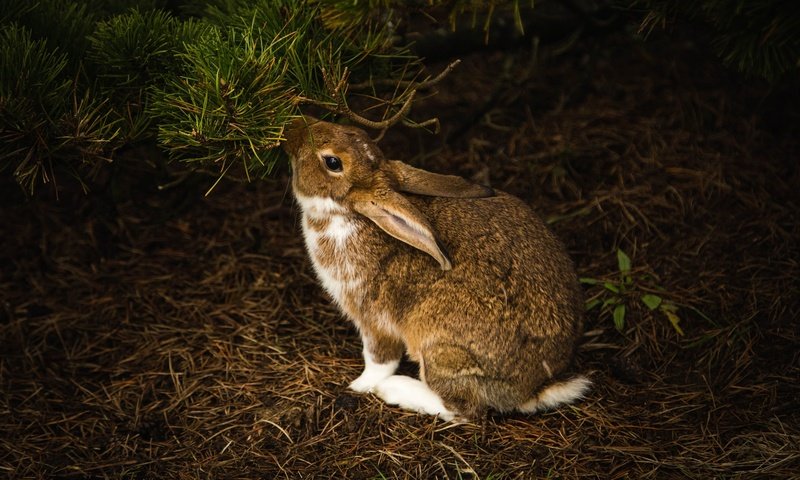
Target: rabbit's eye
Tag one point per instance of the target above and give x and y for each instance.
(333, 163)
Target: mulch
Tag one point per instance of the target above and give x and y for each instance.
(166, 334)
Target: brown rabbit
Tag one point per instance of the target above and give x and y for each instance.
(468, 281)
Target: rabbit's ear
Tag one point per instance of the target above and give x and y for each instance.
(423, 182)
(400, 219)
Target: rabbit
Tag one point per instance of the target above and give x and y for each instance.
(467, 280)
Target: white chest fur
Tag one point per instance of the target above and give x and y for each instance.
(329, 247)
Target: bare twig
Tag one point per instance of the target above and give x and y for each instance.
(431, 121)
(407, 84)
(339, 88)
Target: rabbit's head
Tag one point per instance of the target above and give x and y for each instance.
(342, 164)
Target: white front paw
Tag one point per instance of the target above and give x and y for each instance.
(373, 374)
(365, 382)
(411, 394)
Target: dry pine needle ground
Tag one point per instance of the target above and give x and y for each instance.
(176, 336)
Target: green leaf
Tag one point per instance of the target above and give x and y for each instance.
(619, 317)
(592, 304)
(589, 281)
(652, 301)
(611, 301)
(611, 287)
(668, 307)
(674, 320)
(623, 261)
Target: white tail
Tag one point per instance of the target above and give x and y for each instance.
(557, 394)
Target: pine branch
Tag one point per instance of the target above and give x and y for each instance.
(214, 87)
(757, 38)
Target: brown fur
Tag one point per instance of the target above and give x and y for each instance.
(480, 330)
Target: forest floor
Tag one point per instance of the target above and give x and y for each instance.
(172, 335)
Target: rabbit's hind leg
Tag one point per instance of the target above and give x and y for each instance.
(455, 374)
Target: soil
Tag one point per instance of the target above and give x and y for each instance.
(160, 333)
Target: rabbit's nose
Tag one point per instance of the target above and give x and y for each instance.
(295, 133)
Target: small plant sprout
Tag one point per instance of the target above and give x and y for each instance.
(617, 293)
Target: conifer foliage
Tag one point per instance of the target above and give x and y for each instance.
(760, 38)
(213, 83)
